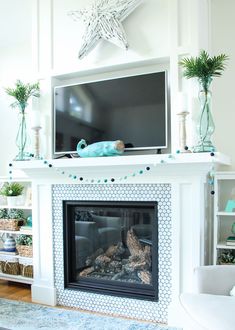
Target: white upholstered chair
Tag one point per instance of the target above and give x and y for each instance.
(211, 308)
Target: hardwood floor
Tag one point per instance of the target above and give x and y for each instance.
(15, 291)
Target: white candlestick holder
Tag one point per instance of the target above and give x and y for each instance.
(182, 131)
(36, 130)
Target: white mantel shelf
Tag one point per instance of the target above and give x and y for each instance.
(166, 159)
(164, 164)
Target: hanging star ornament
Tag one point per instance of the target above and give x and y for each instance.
(103, 21)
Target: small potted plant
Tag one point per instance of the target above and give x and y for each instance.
(12, 191)
(25, 245)
(11, 219)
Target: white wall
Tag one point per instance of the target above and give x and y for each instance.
(147, 31)
(223, 25)
(15, 61)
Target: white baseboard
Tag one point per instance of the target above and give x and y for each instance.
(43, 295)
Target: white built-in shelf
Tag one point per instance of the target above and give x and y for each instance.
(227, 214)
(223, 245)
(88, 69)
(16, 278)
(14, 256)
(20, 207)
(17, 232)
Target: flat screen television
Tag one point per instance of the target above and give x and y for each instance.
(132, 109)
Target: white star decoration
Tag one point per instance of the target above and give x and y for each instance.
(103, 21)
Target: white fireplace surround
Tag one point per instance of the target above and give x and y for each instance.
(190, 202)
(111, 304)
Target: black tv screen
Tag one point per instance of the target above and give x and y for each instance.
(132, 109)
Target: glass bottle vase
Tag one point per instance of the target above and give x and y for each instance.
(205, 125)
(22, 139)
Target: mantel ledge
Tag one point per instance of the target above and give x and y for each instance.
(183, 160)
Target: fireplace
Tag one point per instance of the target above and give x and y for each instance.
(111, 248)
(175, 184)
(148, 308)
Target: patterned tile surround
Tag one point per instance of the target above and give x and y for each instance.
(127, 307)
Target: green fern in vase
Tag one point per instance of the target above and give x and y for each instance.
(204, 67)
(22, 92)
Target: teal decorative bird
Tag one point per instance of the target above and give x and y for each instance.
(100, 149)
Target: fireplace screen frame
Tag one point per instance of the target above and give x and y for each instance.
(114, 288)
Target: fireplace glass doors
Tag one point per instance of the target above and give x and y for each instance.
(111, 248)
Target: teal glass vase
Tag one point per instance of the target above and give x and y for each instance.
(22, 139)
(205, 124)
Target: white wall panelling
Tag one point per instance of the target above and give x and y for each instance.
(156, 30)
(43, 287)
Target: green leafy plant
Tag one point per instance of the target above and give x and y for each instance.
(226, 257)
(15, 214)
(3, 213)
(204, 67)
(12, 189)
(24, 240)
(22, 92)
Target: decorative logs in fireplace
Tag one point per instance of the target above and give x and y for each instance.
(111, 247)
(119, 263)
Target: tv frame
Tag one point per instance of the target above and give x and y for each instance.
(58, 154)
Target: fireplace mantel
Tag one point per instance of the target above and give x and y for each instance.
(190, 204)
(165, 164)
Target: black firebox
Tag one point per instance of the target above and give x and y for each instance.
(111, 248)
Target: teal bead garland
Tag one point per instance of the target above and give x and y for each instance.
(74, 177)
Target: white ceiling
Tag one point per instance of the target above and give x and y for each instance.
(15, 22)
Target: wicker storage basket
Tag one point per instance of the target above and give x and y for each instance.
(26, 268)
(9, 265)
(25, 250)
(11, 224)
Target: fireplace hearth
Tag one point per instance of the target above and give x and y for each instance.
(111, 248)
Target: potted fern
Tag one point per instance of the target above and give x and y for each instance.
(204, 68)
(22, 93)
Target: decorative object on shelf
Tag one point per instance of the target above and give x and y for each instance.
(100, 149)
(230, 206)
(24, 245)
(103, 21)
(9, 265)
(36, 127)
(28, 196)
(11, 219)
(36, 130)
(22, 92)
(29, 221)
(12, 191)
(9, 244)
(230, 241)
(26, 268)
(204, 68)
(182, 106)
(226, 257)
